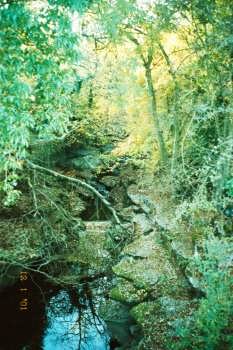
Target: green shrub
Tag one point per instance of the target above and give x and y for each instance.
(209, 325)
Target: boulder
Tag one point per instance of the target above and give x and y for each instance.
(142, 247)
(109, 181)
(119, 322)
(140, 198)
(128, 213)
(98, 227)
(125, 292)
(142, 224)
(146, 264)
(91, 251)
(182, 245)
(158, 318)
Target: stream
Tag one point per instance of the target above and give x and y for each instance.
(71, 328)
(40, 316)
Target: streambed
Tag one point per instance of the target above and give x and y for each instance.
(71, 328)
(49, 318)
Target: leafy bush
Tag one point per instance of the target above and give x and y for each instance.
(209, 325)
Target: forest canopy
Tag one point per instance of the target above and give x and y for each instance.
(40, 69)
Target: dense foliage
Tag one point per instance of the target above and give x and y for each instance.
(207, 329)
(149, 81)
(39, 56)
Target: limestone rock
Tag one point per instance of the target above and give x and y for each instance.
(140, 198)
(128, 213)
(171, 306)
(118, 320)
(126, 292)
(91, 249)
(109, 181)
(88, 162)
(157, 319)
(142, 223)
(152, 266)
(182, 245)
(118, 197)
(194, 277)
(142, 247)
(97, 226)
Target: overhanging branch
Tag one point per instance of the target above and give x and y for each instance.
(78, 182)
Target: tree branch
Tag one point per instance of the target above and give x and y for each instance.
(136, 42)
(79, 182)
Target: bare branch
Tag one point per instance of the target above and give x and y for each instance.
(136, 42)
(79, 182)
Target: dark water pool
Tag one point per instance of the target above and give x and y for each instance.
(71, 328)
(38, 316)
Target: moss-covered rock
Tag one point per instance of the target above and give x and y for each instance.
(91, 251)
(125, 292)
(182, 246)
(147, 264)
(157, 319)
(148, 316)
(119, 322)
(141, 198)
(109, 181)
(142, 224)
(142, 247)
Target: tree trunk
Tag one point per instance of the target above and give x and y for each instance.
(152, 94)
(176, 132)
(158, 132)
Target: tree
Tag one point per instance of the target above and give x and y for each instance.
(209, 38)
(38, 71)
(129, 21)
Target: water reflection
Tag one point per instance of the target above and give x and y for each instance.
(72, 328)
